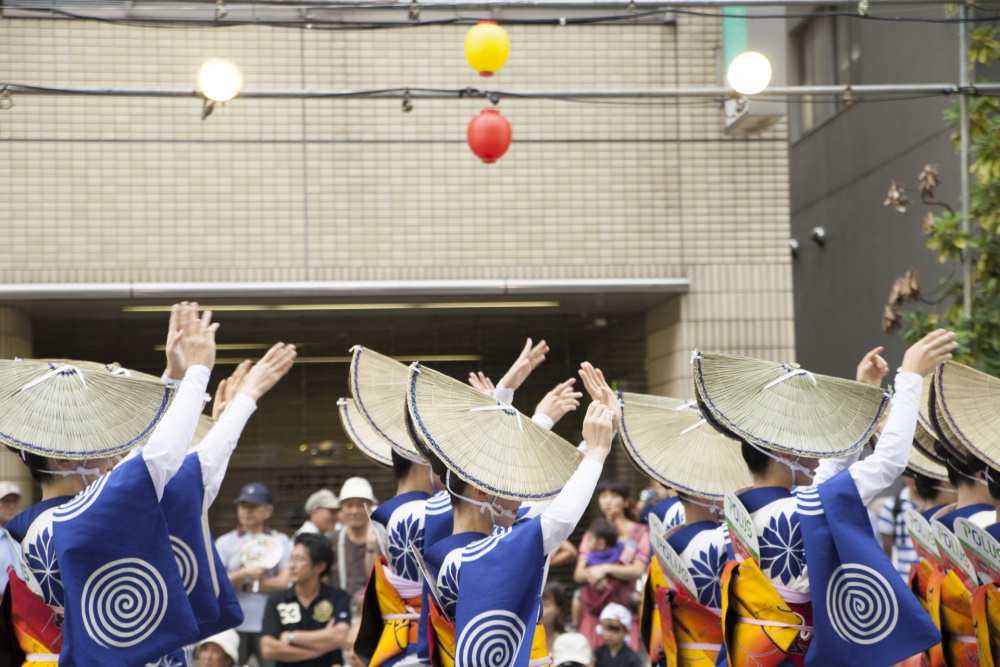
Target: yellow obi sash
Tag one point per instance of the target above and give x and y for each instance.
(440, 636)
(957, 631)
(925, 582)
(986, 620)
(676, 629)
(651, 628)
(36, 625)
(389, 626)
(759, 628)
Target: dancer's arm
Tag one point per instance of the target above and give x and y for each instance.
(874, 474)
(249, 385)
(560, 518)
(167, 446)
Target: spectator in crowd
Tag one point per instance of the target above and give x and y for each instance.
(323, 508)
(572, 649)
(221, 650)
(618, 508)
(10, 502)
(650, 497)
(555, 612)
(616, 621)
(10, 551)
(354, 547)
(307, 625)
(253, 584)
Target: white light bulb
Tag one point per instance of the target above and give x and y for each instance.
(749, 73)
(219, 80)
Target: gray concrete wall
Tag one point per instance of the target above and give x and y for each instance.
(839, 175)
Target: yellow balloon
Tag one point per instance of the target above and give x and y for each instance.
(486, 47)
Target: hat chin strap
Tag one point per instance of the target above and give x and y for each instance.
(80, 470)
(496, 510)
(714, 508)
(792, 464)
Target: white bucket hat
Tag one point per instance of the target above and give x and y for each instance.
(228, 641)
(357, 487)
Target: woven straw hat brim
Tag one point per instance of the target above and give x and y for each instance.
(61, 417)
(362, 434)
(924, 440)
(670, 441)
(920, 463)
(786, 409)
(967, 407)
(494, 448)
(940, 428)
(378, 386)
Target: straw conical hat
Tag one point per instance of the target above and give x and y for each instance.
(362, 434)
(670, 441)
(784, 408)
(925, 465)
(66, 411)
(967, 410)
(491, 446)
(378, 385)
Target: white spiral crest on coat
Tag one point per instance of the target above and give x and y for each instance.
(861, 604)
(187, 563)
(491, 639)
(81, 502)
(123, 602)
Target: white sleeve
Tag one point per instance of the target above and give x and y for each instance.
(830, 467)
(218, 445)
(875, 473)
(560, 518)
(503, 394)
(164, 452)
(543, 420)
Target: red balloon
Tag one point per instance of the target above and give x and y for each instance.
(489, 135)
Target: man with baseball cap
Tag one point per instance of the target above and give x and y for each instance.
(354, 550)
(253, 583)
(323, 508)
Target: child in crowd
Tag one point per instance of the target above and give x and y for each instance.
(605, 549)
(571, 649)
(616, 621)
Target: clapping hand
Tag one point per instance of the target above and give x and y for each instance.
(872, 368)
(529, 359)
(600, 390)
(559, 401)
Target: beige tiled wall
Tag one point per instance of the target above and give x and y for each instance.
(140, 189)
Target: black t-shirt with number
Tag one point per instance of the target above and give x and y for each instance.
(284, 612)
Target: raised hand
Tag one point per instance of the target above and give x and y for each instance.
(600, 390)
(530, 358)
(228, 389)
(598, 426)
(929, 352)
(176, 364)
(482, 383)
(559, 401)
(872, 368)
(196, 335)
(266, 372)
